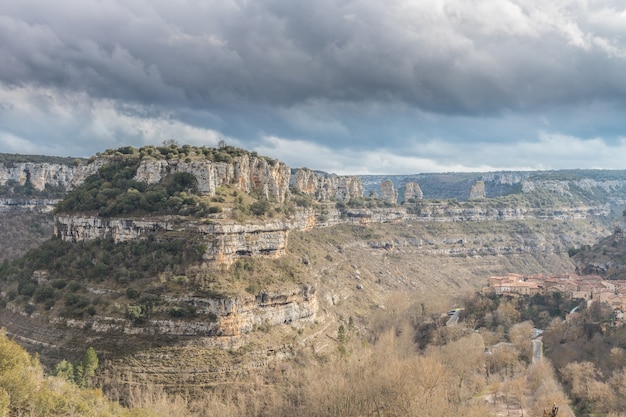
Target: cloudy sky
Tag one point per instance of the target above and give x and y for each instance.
(363, 86)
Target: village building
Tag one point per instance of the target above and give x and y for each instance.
(591, 288)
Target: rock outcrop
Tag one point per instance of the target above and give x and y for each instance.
(224, 242)
(261, 176)
(443, 212)
(221, 316)
(41, 174)
(38, 175)
(412, 191)
(566, 187)
(258, 175)
(325, 187)
(477, 191)
(27, 204)
(388, 192)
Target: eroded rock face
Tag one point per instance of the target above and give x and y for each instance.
(413, 191)
(388, 192)
(258, 175)
(444, 212)
(477, 191)
(262, 176)
(222, 316)
(225, 242)
(85, 228)
(26, 204)
(324, 187)
(37, 174)
(228, 242)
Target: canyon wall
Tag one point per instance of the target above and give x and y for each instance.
(222, 316)
(42, 174)
(252, 175)
(38, 175)
(260, 176)
(44, 205)
(227, 240)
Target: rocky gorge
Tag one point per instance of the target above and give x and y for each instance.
(336, 254)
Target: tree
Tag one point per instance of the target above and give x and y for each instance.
(86, 368)
(65, 370)
(507, 314)
(520, 336)
(90, 362)
(587, 388)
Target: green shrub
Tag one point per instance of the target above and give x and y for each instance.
(43, 293)
(76, 301)
(26, 288)
(260, 207)
(183, 311)
(59, 284)
(136, 313)
(29, 309)
(132, 293)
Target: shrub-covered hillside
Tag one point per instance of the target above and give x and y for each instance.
(113, 191)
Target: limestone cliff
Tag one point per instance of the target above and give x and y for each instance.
(257, 175)
(569, 187)
(325, 187)
(224, 242)
(477, 191)
(38, 175)
(388, 192)
(222, 316)
(28, 204)
(251, 174)
(412, 191)
(447, 212)
(42, 174)
(227, 240)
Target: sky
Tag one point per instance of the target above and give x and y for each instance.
(350, 87)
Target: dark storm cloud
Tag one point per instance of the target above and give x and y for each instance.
(284, 53)
(347, 74)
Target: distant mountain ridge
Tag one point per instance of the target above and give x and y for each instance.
(457, 185)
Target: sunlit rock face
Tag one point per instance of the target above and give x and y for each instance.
(412, 191)
(38, 175)
(258, 175)
(388, 192)
(224, 242)
(325, 187)
(218, 316)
